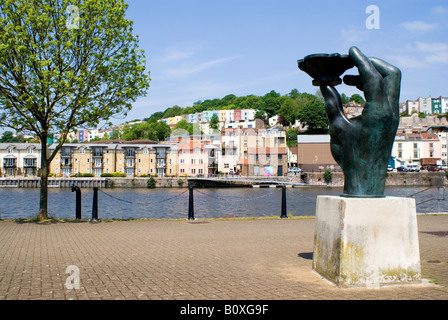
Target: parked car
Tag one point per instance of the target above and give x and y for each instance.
(389, 168)
(413, 167)
(402, 168)
(434, 169)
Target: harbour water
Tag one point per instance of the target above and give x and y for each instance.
(172, 203)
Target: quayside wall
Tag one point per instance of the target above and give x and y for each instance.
(308, 178)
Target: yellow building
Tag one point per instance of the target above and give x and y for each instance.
(140, 158)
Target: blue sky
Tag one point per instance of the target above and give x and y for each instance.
(206, 49)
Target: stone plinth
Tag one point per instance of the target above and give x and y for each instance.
(366, 241)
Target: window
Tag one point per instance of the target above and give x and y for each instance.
(280, 156)
(193, 171)
(182, 170)
(200, 171)
(226, 166)
(193, 161)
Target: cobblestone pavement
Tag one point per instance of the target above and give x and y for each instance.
(203, 260)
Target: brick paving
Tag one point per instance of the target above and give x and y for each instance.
(258, 259)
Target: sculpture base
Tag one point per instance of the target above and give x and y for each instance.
(366, 241)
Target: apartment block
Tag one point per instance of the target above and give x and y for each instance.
(132, 159)
(19, 159)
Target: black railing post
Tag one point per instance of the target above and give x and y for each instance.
(284, 215)
(190, 204)
(78, 201)
(95, 204)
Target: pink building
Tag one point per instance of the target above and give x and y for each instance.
(237, 115)
(192, 158)
(431, 151)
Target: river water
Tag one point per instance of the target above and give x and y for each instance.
(172, 203)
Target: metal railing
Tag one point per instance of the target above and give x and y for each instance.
(441, 196)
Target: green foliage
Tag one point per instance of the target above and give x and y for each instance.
(87, 175)
(214, 122)
(313, 116)
(151, 183)
(289, 110)
(291, 137)
(8, 136)
(54, 78)
(157, 131)
(357, 98)
(115, 174)
(328, 175)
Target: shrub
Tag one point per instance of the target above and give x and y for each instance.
(87, 175)
(106, 175)
(151, 183)
(327, 175)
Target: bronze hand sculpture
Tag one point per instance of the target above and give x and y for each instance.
(362, 145)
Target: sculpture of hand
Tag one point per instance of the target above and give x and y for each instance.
(362, 145)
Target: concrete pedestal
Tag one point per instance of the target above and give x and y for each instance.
(366, 241)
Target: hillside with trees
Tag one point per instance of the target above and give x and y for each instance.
(304, 107)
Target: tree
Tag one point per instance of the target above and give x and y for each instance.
(344, 98)
(357, 98)
(271, 103)
(314, 117)
(214, 120)
(8, 136)
(66, 64)
(289, 110)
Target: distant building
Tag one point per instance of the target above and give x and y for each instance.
(314, 153)
(133, 158)
(19, 159)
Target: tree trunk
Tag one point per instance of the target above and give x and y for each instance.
(43, 207)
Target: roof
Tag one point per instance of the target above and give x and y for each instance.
(19, 146)
(313, 138)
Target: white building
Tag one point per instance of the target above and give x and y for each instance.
(425, 105)
(19, 159)
(230, 146)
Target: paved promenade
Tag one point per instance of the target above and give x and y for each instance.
(202, 259)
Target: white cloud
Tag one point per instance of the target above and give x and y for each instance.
(422, 54)
(405, 61)
(440, 10)
(436, 52)
(188, 69)
(353, 35)
(173, 54)
(417, 26)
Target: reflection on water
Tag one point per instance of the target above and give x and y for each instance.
(208, 203)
